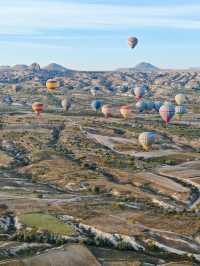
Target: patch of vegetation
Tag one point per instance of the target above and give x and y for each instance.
(46, 222)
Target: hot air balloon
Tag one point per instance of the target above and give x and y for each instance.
(7, 99)
(66, 103)
(146, 139)
(157, 105)
(94, 90)
(132, 42)
(38, 107)
(96, 105)
(180, 110)
(139, 92)
(106, 110)
(124, 88)
(16, 87)
(167, 111)
(52, 84)
(125, 111)
(180, 99)
(141, 106)
(149, 106)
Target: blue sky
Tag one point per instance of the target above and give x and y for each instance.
(92, 35)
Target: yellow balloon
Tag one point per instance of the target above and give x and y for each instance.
(52, 84)
(180, 99)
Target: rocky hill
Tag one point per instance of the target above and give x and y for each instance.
(56, 68)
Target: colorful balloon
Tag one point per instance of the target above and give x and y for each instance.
(139, 92)
(38, 107)
(180, 110)
(106, 110)
(132, 42)
(149, 106)
(167, 112)
(52, 84)
(66, 103)
(141, 106)
(16, 87)
(96, 105)
(125, 111)
(124, 88)
(146, 139)
(7, 99)
(157, 105)
(94, 90)
(180, 99)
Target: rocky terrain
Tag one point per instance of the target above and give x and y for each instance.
(77, 189)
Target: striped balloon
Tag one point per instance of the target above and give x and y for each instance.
(180, 110)
(52, 84)
(146, 139)
(167, 112)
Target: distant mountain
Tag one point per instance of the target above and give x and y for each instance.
(56, 68)
(20, 67)
(35, 67)
(4, 67)
(146, 67)
(142, 67)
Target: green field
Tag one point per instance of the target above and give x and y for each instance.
(46, 222)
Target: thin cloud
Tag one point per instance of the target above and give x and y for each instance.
(33, 17)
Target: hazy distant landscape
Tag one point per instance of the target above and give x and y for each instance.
(78, 188)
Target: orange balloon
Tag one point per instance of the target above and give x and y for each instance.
(38, 107)
(106, 110)
(125, 111)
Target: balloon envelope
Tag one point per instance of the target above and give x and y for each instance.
(38, 107)
(180, 99)
(132, 42)
(94, 90)
(96, 105)
(167, 112)
(124, 88)
(125, 111)
(66, 103)
(106, 110)
(157, 105)
(8, 99)
(180, 110)
(139, 92)
(149, 106)
(146, 139)
(52, 84)
(141, 106)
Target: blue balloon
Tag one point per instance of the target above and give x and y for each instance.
(141, 106)
(149, 106)
(157, 105)
(96, 105)
(8, 99)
